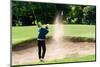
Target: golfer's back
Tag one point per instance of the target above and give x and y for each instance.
(42, 33)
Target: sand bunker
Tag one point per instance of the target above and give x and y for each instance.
(67, 49)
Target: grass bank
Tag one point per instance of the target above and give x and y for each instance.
(88, 58)
(24, 33)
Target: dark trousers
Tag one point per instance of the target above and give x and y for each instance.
(41, 48)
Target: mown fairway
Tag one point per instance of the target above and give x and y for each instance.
(23, 33)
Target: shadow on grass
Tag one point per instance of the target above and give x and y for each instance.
(24, 45)
(79, 39)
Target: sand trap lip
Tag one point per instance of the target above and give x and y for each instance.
(28, 53)
(27, 44)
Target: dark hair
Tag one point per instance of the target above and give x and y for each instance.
(46, 27)
(38, 25)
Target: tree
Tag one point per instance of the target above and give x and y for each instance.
(28, 13)
(89, 15)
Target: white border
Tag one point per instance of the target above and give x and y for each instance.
(84, 2)
(5, 33)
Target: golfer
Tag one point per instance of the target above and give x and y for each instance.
(41, 42)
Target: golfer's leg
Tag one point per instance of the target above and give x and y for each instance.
(39, 49)
(44, 49)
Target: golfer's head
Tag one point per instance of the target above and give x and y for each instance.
(46, 26)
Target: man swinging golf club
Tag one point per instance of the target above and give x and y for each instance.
(41, 42)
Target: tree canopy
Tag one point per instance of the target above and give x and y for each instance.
(28, 13)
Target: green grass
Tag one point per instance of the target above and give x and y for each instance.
(20, 34)
(78, 59)
(65, 60)
(80, 31)
(23, 33)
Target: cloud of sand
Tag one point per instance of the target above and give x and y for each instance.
(58, 30)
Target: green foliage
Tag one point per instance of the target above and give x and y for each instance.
(89, 15)
(30, 12)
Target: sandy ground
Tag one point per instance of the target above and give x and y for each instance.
(68, 49)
